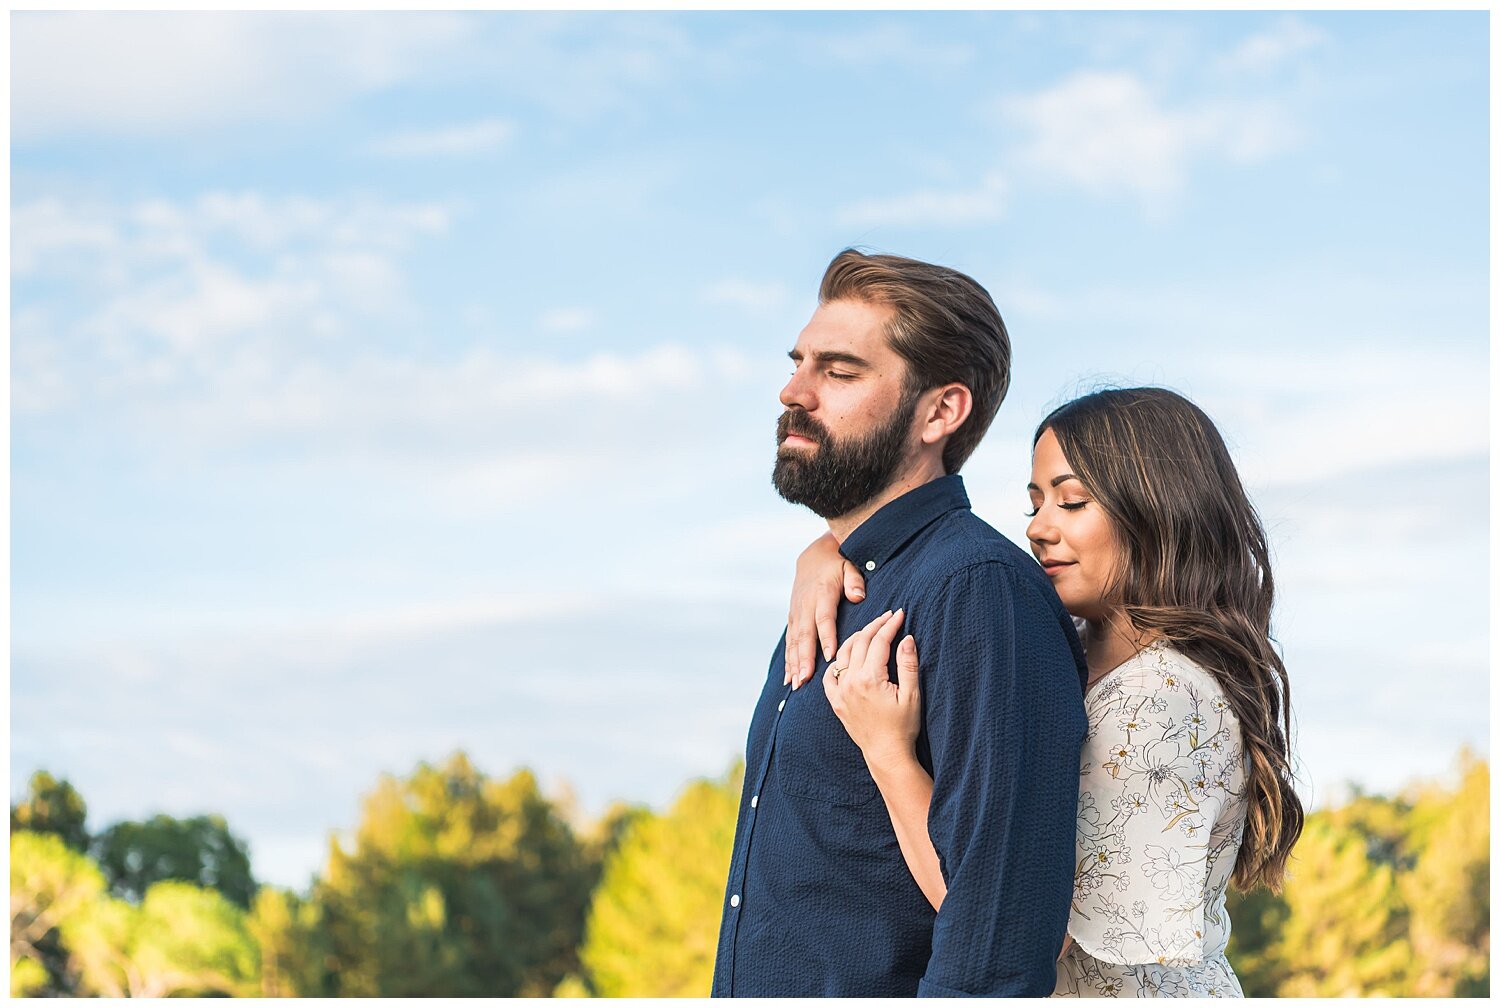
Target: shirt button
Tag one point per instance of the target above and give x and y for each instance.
(734, 900)
(754, 800)
(781, 705)
(869, 565)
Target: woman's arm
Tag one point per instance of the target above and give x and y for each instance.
(883, 719)
(906, 788)
(823, 575)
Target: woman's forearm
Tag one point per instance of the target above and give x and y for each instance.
(907, 790)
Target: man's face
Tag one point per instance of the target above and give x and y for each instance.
(847, 428)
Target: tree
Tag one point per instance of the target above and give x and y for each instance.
(294, 950)
(1448, 888)
(653, 926)
(182, 940)
(1257, 919)
(52, 806)
(456, 885)
(50, 884)
(201, 850)
(1345, 934)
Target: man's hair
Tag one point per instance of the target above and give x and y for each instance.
(944, 325)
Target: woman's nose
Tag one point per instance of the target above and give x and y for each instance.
(1041, 529)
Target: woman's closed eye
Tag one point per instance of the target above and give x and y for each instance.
(1065, 505)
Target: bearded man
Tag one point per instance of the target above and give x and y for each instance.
(897, 377)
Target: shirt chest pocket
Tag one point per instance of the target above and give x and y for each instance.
(815, 757)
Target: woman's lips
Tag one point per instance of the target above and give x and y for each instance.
(1052, 567)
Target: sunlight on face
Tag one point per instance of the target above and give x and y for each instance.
(1070, 535)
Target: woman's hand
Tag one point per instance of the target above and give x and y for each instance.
(882, 717)
(822, 576)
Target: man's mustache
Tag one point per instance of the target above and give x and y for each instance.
(796, 421)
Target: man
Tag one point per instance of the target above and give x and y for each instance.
(897, 376)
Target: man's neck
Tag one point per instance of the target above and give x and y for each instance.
(925, 472)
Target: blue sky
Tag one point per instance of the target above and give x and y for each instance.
(389, 384)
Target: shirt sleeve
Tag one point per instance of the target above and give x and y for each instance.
(1151, 789)
(1004, 722)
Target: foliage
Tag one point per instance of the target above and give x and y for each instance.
(1386, 896)
(295, 959)
(200, 850)
(654, 923)
(50, 885)
(182, 940)
(52, 806)
(457, 885)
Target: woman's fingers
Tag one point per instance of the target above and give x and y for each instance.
(906, 671)
(854, 583)
(826, 618)
(863, 639)
(880, 643)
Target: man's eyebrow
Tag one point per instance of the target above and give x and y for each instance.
(832, 357)
(1056, 481)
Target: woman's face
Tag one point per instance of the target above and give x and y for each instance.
(1070, 535)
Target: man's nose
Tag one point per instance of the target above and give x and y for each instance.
(798, 391)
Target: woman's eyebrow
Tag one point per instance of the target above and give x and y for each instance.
(1055, 481)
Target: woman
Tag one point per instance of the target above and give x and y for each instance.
(1140, 520)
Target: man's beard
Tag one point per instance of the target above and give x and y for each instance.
(839, 476)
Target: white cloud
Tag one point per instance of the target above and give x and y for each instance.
(1267, 50)
(747, 294)
(1107, 133)
(982, 204)
(235, 327)
(568, 320)
(1304, 420)
(198, 294)
(154, 73)
(482, 137)
(892, 43)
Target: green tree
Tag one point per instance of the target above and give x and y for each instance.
(50, 884)
(1448, 888)
(456, 885)
(654, 922)
(182, 940)
(52, 806)
(200, 850)
(1257, 919)
(1346, 931)
(294, 949)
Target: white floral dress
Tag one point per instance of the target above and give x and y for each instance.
(1160, 813)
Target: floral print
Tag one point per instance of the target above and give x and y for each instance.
(1160, 813)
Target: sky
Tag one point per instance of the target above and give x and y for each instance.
(385, 385)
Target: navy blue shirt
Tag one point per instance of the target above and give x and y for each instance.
(819, 900)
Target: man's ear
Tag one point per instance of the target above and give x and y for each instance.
(949, 406)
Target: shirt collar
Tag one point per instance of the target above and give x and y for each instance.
(879, 536)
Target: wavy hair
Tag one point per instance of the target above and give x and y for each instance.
(1195, 571)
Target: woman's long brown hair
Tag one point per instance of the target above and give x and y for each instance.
(1196, 571)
